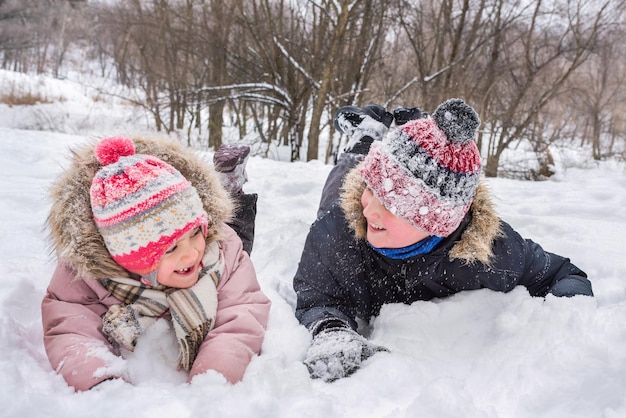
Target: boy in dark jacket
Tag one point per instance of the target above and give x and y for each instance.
(414, 222)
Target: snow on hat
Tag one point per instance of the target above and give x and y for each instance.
(141, 206)
(427, 170)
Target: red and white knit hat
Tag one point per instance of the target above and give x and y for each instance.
(141, 206)
(427, 171)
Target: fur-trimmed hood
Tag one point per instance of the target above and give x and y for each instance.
(475, 242)
(73, 235)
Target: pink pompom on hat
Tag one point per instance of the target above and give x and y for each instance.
(141, 206)
(427, 171)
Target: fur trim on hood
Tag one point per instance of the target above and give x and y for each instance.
(475, 243)
(73, 235)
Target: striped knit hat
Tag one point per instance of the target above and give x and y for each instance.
(427, 170)
(141, 206)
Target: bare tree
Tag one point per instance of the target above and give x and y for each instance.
(509, 58)
(598, 94)
(448, 44)
(539, 61)
(270, 84)
(37, 34)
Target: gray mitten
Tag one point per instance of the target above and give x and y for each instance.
(338, 352)
(123, 324)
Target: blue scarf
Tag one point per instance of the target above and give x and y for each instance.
(421, 247)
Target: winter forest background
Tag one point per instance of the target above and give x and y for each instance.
(543, 75)
(547, 78)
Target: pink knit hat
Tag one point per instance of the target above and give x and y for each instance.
(141, 206)
(427, 171)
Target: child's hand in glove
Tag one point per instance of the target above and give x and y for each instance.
(338, 352)
(123, 324)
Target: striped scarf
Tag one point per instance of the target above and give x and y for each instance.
(192, 310)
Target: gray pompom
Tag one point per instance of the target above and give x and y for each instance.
(457, 120)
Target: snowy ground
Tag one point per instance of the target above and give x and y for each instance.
(476, 354)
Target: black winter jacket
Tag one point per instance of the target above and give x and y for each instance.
(340, 276)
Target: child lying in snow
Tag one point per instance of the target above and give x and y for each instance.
(140, 236)
(414, 222)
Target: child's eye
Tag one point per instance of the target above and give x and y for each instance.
(171, 250)
(197, 231)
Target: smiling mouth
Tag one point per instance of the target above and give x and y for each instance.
(376, 227)
(185, 270)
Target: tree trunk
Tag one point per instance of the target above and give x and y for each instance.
(491, 167)
(215, 125)
(322, 93)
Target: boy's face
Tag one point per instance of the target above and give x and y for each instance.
(384, 229)
(181, 264)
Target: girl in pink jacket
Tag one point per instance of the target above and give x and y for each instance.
(139, 230)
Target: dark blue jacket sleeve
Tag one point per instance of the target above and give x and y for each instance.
(325, 269)
(544, 272)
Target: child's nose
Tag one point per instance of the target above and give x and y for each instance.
(372, 207)
(189, 250)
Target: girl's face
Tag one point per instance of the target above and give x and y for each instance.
(384, 229)
(180, 266)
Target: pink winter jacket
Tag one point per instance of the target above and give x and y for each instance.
(75, 301)
(72, 310)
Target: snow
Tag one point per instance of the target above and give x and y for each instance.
(476, 354)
